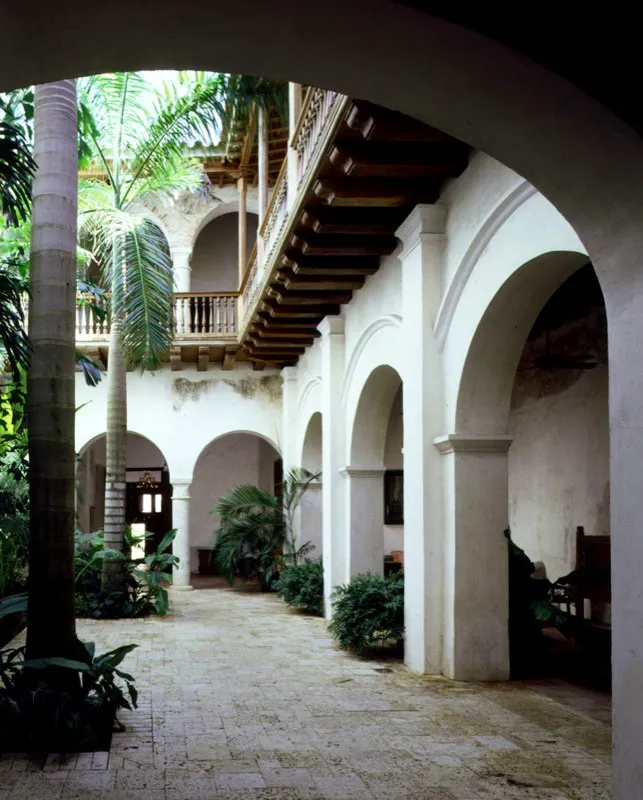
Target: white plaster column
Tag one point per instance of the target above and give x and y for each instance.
(476, 619)
(182, 269)
(290, 396)
(262, 163)
(422, 240)
(310, 518)
(242, 183)
(181, 521)
(364, 524)
(333, 455)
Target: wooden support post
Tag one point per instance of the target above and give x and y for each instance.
(263, 163)
(242, 184)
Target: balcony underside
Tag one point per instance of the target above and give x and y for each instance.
(380, 165)
(206, 352)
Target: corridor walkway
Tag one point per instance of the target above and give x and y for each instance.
(244, 700)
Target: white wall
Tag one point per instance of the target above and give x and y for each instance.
(228, 462)
(559, 467)
(181, 411)
(215, 257)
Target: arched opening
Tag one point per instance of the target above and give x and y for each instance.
(310, 511)
(215, 257)
(375, 491)
(148, 492)
(531, 450)
(559, 475)
(225, 463)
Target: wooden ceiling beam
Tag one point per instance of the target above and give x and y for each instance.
(382, 125)
(355, 221)
(330, 283)
(382, 192)
(302, 311)
(330, 265)
(400, 161)
(307, 299)
(320, 244)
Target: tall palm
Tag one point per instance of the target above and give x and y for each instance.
(50, 382)
(139, 138)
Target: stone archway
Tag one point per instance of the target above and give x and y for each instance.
(365, 502)
(311, 511)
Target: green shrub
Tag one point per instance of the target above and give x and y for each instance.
(368, 611)
(302, 586)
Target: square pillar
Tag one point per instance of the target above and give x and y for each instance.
(422, 240)
(333, 455)
(182, 268)
(181, 522)
(290, 396)
(364, 519)
(476, 613)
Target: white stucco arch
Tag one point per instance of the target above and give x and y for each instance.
(533, 231)
(262, 436)
(368, 424)
(311, 450)
(310, 403)
(228, 207)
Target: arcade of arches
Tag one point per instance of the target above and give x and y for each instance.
(457, 429)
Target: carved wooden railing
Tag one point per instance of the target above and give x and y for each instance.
(197, 315)
(320, 116)
(315, 111)
(276, 213)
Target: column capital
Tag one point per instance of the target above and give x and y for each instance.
(473, 443)
(331, 326)
(181, 488)
(362, 471)
(424, 219)
(289, 374)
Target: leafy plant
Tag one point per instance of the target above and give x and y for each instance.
(255, 536)
(143, 590)
(36, 715)
(368, 611)
(302, 586)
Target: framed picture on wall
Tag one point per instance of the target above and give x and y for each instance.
(394, 497)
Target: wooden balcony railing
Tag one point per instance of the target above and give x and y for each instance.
(197, 315)
(320, 115)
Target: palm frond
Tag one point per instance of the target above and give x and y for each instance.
(17, 168)
(181, 112)
(174, 175)
(146, 282)
(12, 320)
(244, 500)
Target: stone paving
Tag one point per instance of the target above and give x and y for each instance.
(243, 699)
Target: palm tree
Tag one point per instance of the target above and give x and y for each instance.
(51, 627)
(139, 136)
(256, 534)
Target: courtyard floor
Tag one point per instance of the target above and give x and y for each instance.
(242, 699)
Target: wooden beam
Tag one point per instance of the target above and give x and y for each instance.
(280, 311)
(407, 160)
(321, 298)
(175, 359)
(277, 344)
(330, 283)
(203, 358)
(382, 192)
(380, 124)
(285, 332)
(330, 265)
(229, 357)
(314, 244)
(356, 221)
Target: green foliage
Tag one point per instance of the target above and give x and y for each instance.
(35, 715)
(368, 611)
(302, 586)
(255, 535)
(17, 166)
(145, 579)
(14, 487)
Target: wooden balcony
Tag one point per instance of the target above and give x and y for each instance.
(205, 330)
(356, 172)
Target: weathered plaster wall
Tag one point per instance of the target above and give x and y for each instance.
(182, 411)
(215, 257)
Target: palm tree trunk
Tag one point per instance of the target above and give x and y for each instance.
(51, 627)
(112, 577)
